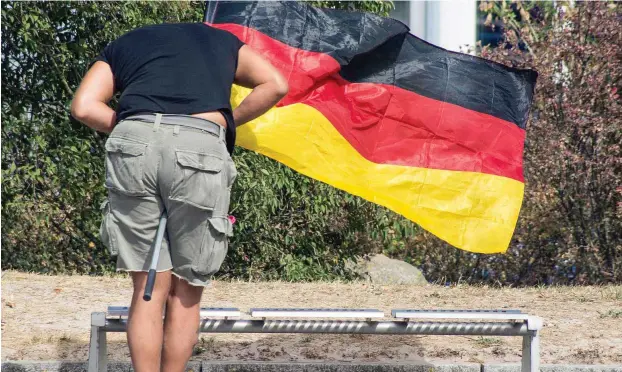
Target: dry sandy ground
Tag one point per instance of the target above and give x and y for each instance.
(47, 318)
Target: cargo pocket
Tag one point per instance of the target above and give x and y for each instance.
(124, 166)
(232, 173)
(214, 247)
(107, 239)
(198, 179)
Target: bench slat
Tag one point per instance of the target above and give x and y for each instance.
(460, 314)
(206, 312)
(316, 313)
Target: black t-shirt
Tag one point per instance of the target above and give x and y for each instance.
(181, 68)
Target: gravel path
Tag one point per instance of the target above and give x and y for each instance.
(47, 318)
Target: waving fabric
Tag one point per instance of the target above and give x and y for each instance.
(434, 135)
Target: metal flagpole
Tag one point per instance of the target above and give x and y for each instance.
(155, 256)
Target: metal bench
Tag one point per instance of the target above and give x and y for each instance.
(350, 321)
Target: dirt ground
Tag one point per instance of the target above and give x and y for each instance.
(47, 318)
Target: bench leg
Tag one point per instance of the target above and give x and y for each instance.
(97, 349)
(531, 353)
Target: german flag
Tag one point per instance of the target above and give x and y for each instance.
(434, 135)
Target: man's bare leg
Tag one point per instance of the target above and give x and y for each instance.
(144, 328)
(181, 324)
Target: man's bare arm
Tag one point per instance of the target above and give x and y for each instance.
(90, 102)
(268, 85)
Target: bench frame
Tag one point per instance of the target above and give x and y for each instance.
(218, 320)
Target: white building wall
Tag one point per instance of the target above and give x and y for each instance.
(417, 11)
(450, 24)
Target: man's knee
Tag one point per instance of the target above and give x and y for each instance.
(161, 287)
(185, 293)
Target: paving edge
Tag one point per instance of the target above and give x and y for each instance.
(555, 367)
(56, 366)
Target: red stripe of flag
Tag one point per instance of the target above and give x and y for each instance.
(391, 125)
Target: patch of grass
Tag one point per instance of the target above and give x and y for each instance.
(209, 342)
(613, 313)
(446, 353)
(488, 341)
(584, 299)
(198, 350)
(612, 293)
(311, 353)
(50, 339)
(204, 345)
(588, 354)
(498, 351)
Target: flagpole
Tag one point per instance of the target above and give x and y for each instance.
(155, 256)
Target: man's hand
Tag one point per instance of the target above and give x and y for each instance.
(90, 103)
(268, 85)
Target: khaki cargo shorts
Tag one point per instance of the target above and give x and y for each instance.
(175, 163)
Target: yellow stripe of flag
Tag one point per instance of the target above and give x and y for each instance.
(472, 211)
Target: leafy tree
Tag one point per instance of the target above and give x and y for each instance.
(292, 227)
(573, 159)
(570, 227)
(52, 170)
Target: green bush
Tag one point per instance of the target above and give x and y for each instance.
(294, 228)
(289, 226)
(570, 227)
(52, 166)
